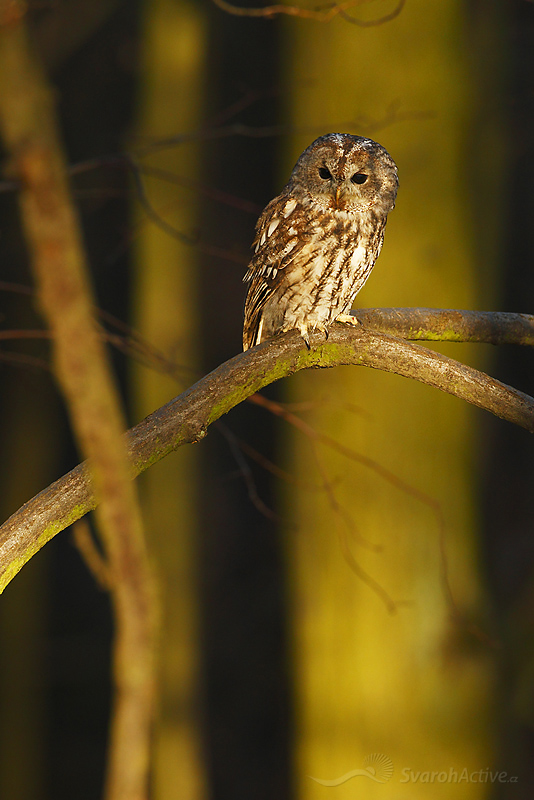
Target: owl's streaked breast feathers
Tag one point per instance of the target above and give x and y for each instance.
(317, 242)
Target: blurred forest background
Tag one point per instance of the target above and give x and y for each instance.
(314, 611)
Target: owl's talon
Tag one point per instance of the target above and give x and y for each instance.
(348, 319)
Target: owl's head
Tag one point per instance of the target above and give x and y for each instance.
(347, 174)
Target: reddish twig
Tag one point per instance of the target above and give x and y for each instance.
(324, 14)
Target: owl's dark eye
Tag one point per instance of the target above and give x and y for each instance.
(359, 177)
(325, 173)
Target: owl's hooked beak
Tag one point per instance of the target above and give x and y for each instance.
(340, 196)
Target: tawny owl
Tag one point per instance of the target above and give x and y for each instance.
(317, 242)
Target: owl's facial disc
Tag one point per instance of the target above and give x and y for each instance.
(347, 174)
(340, 190)
(348, 184)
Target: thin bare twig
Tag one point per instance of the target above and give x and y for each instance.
(321, 14)
(338, 509)
(94, 560)
(348, 528)
(313, 435)
(24, 333)
(23, 360)
(246, 473)
(278, 472)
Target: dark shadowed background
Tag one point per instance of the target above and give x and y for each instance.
(245, 711)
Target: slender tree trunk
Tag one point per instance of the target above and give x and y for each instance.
(165, 313)
(385, 661)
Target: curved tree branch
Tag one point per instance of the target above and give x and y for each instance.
(450, 325)
(187, 417)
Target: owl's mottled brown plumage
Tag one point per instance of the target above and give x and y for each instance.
(317, 242)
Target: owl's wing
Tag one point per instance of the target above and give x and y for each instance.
(282, 232)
